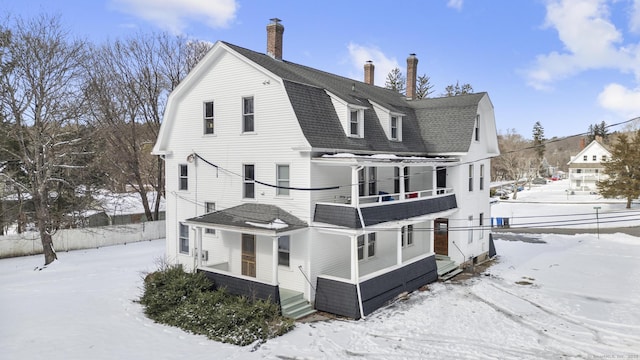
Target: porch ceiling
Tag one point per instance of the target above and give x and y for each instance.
(346, 159)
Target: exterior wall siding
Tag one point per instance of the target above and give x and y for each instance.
(337, 297)
(244, 287)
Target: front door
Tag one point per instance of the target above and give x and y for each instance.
(249, 255)
(441, 236)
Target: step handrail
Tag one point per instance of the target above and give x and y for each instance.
(306, 278)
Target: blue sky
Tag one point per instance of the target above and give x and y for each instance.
(565, 63)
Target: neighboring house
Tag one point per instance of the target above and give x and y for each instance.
(586, 168)
(285, 180)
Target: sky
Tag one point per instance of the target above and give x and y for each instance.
(565, 63)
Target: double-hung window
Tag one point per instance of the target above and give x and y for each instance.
(595, 157)
(208, 118)
(284, 250)
(183, 177)
(481, 176)
(406, 235)
(471, 177)
(209, 207)
(481, 225)
(470, 229)
(247, 115)
(394, 127)
(366, 246)
(476, 130)
(372, 181)
(282, 180)
(249, 185)
(356, 122)
(184, 238)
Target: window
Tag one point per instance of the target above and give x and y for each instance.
(372, 181)
(604, 157)
(184, 239)
(470, 177)
(284, 250)
(406, 234)
(579, 171)
(183, 178)
(366, 246)
(476, 131)
(208, 117)
(209, 207)
(249, 182)
(396, 179)
(354, 124)
(584, 158)
(395, 125)
(361, 184)
(247, 114)
(470, 229)
(481, 224)
(282, 180)
(595, 157)
(481, 176)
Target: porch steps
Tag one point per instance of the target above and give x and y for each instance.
(447, 268)
(294, 305)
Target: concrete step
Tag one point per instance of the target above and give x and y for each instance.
(297, 309)
(450, 275)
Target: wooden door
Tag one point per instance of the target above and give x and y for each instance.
(441, 236)
(249, 255)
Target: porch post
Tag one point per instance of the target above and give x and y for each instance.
(354, 259)
(432, 236)
(355, 193)
(399, 246)
(434, 179)
(402, 180)
(199, 245)
(274, 264)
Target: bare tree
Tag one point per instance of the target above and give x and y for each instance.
(41, 102)
(516, 161)
(129, 83)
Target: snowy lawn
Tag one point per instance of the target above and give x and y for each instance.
(573, 296)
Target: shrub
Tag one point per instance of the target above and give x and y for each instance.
(185, 300)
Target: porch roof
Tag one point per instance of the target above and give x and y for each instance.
(251, 218)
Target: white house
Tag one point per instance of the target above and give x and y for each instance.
(586, 168)
(287, 182)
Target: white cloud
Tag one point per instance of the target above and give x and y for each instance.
(634, 23)
(358, 56)
(590, 39)
(621, 100)
(455, 4)
(173, 15)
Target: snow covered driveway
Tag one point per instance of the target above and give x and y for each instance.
(571, 297)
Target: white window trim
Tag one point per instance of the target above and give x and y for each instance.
(180, 177)
(471, 170)
(481, 180)
(481, 225)
(288, 194)
(398, 136)
(244, 131)
(244, 182)
(476, 129)
(470, 229)
(205, 118)
(288, 252)
(360, 118)
(211, 232)
(365, 250)
(180, 238)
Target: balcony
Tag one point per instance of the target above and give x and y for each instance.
(381, 208)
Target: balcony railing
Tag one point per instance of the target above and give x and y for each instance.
(383, 207)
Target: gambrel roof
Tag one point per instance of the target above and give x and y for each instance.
(432, 125)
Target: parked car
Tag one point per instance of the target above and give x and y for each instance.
(539, 181)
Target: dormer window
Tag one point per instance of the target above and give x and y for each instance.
(356, 126)
(395, 124)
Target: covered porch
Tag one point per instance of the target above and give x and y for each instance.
(374, 265)
(250, 249)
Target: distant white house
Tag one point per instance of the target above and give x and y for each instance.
(284, 181)
(586, 168)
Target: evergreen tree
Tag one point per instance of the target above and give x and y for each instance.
(395, 81)
(623, 169)
(538, 143)
(424, 88)
(598, 130)
(457, 89)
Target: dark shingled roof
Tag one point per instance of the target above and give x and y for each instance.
(238, 216)
(428, 126)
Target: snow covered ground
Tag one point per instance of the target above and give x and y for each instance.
(570, 297)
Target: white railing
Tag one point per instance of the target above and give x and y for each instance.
(384, 197)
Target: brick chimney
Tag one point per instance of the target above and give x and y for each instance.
(274, 38)
(368, 72)
(412, 71)
(582, 143)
